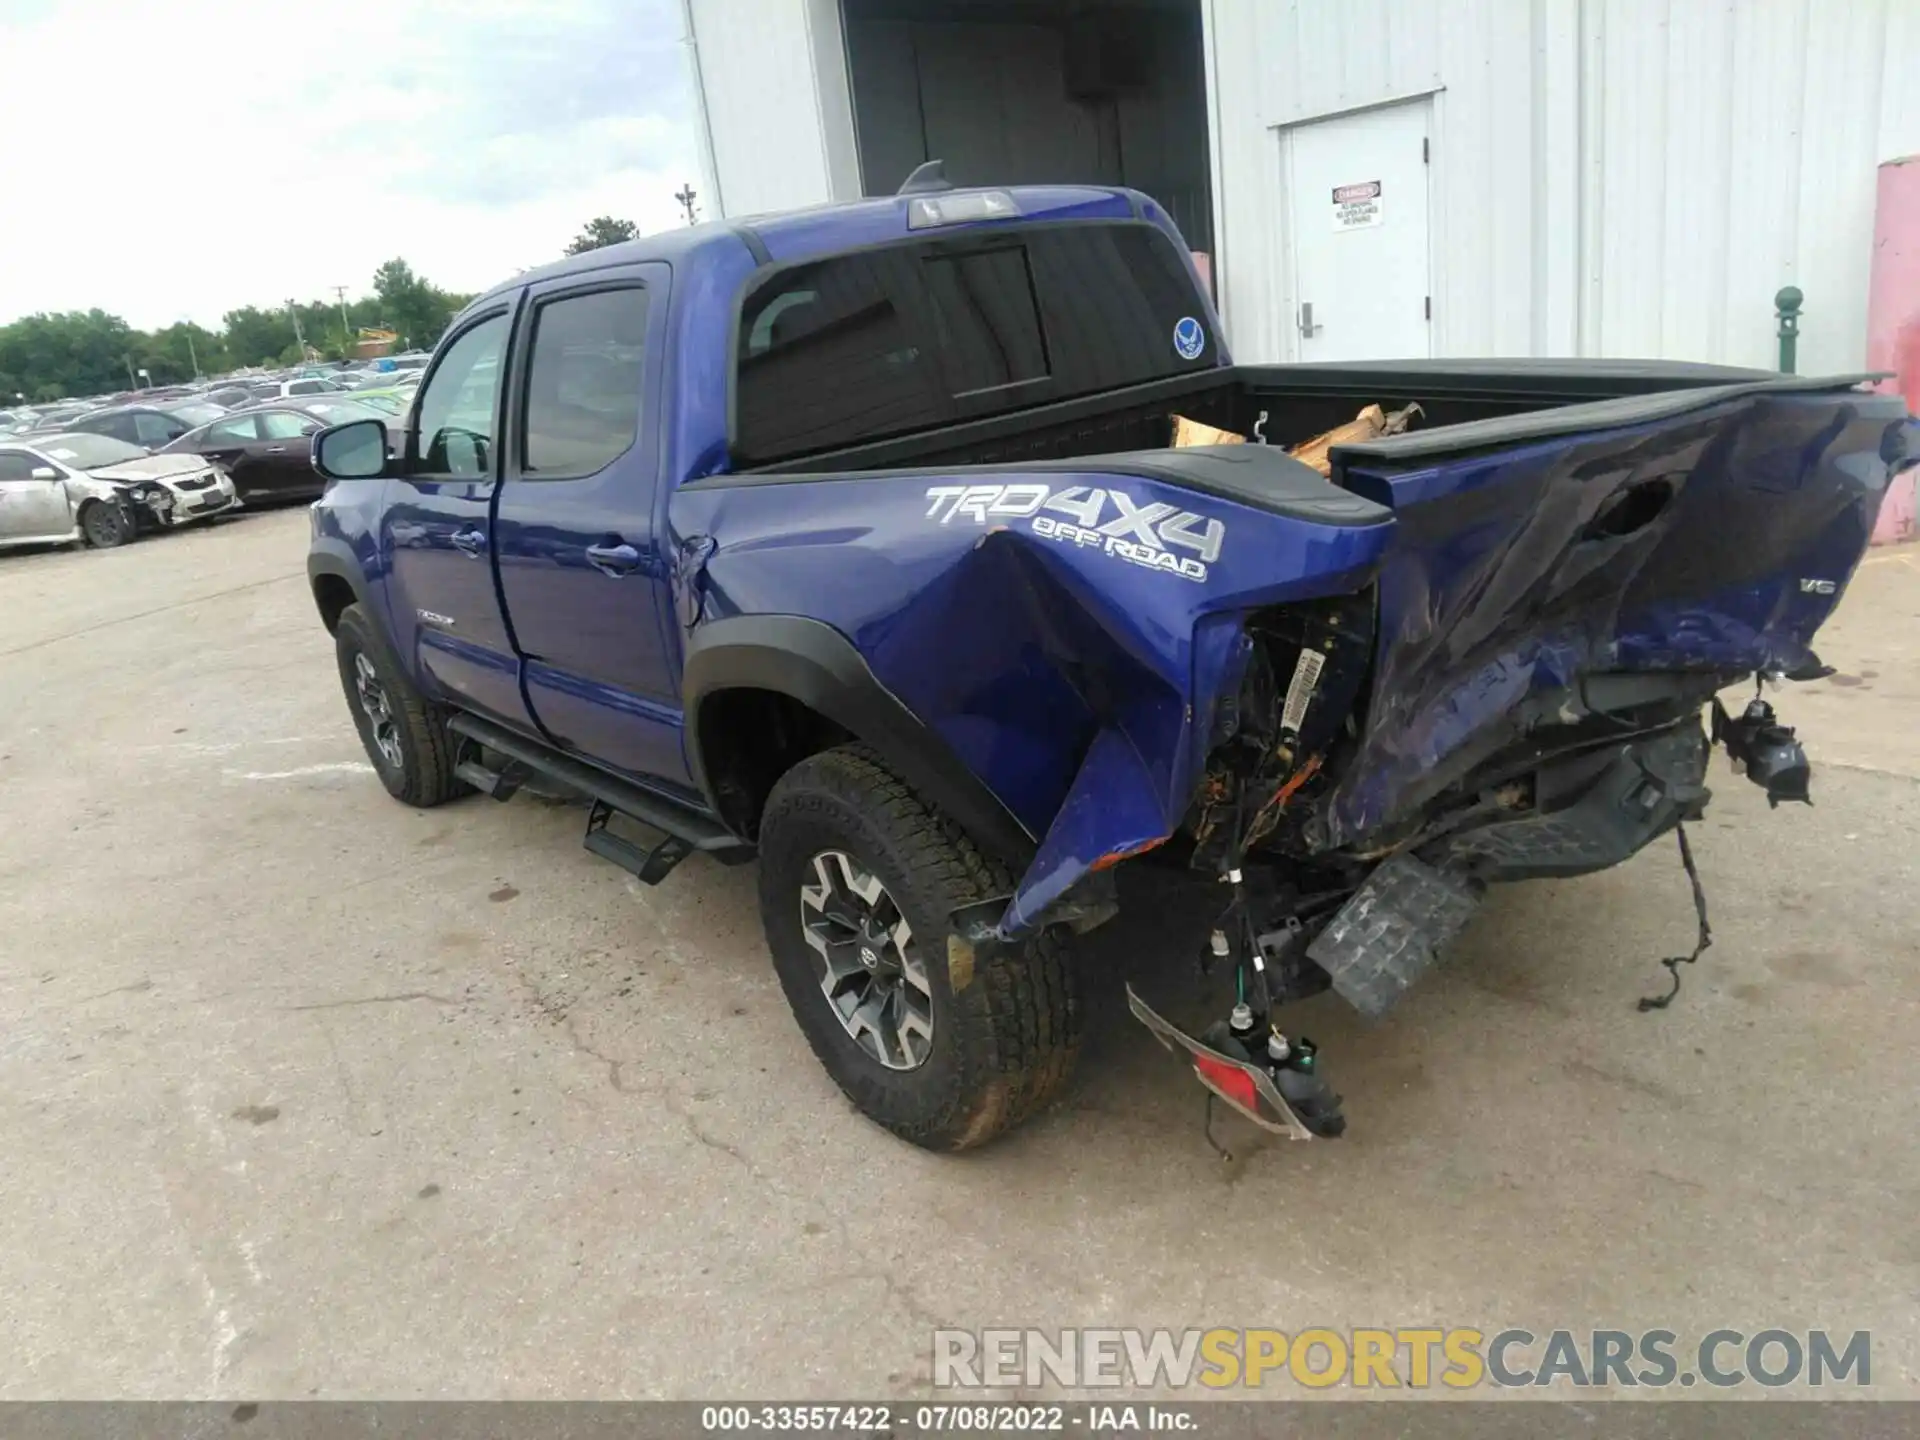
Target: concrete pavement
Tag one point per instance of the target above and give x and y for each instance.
(303, 1093)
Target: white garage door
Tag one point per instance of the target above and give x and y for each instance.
(1357, 189)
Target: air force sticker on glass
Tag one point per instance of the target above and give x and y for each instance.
(1151, 536)
(1189, 338)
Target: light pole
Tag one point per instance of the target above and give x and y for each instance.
(192, 354)
(298, 338)
(346, 330)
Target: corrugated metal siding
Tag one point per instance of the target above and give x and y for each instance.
(778, 117)
(1611, 177)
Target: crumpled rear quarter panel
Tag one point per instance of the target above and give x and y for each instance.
(1499, 585)
(1077, 685)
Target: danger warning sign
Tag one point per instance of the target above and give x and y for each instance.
(1355, 206)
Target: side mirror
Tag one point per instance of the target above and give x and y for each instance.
(45, 472)
(356, 450)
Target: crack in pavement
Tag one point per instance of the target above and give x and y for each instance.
(403, 996)
(667, 1099)
(1869, 770)
(136, 988)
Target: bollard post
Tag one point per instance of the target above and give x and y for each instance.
(1786, 307)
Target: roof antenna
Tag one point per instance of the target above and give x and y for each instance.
(926, 179)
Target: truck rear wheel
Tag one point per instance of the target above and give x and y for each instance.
(857, 878)
(404, 733)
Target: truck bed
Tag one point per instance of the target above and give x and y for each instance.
(1505, 400)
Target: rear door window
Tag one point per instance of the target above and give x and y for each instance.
(933, 331)
(152, 429)
(583, 383)
(287, 425)
(237, 431)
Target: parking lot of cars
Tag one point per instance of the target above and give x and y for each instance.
(304, 1093)
(102, 472)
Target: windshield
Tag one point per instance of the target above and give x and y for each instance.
(197, 414)
(86, 452)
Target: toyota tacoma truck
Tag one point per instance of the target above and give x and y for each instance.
(854, 540)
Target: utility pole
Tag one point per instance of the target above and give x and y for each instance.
(298, 338)
(132, 384)
(685, 195)
(192, 354)
(346, 330)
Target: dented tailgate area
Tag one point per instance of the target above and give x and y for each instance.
(1479, 653)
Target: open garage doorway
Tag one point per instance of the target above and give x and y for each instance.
(1020, 92)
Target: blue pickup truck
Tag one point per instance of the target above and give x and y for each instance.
(855, 540)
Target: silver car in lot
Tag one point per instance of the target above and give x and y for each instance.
(56, 489)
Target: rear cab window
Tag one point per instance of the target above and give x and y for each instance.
(935, 330)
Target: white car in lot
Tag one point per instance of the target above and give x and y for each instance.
(56, 489)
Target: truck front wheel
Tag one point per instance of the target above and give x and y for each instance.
(857, 879)
(404, 733)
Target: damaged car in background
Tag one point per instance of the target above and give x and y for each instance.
(57, 489)
(933, 550)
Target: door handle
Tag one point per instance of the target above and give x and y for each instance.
(1307, 328)
(614, 560)
(276, 449)
(471, 543)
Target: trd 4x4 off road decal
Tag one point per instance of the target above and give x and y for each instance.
(1144, 535)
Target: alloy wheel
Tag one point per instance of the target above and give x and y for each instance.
(379, 713)
(872, 974)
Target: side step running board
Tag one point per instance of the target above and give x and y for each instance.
(683, 829)
(650, 863)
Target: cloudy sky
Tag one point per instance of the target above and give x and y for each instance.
(204, 154)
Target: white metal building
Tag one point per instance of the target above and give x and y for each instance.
(1445, 177)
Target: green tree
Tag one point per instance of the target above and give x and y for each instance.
(603, 230)
(409, 305)
(89, 352)
(255, 336)
(77, 353)
(176, 354)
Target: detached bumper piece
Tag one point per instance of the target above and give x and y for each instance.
(1590, 812)
(1392, 930)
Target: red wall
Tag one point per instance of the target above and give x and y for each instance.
(1893, 317)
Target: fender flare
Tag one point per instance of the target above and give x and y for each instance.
(332, 558)
(818, 666)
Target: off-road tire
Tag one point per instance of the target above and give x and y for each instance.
(1006, 1023)
(424, 777)
(104, 526)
